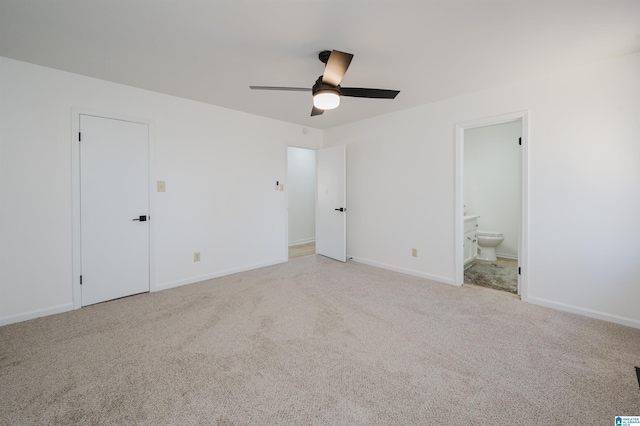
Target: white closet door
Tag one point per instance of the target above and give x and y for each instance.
(114, 203)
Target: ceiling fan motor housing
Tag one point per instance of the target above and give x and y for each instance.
(319, 86)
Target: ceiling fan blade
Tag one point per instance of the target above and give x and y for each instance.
(290, 89)
(360, 92)
(316, 111)
(336, 67)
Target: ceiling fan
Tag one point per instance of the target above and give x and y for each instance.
(327, 91)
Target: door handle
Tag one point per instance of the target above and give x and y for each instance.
(141, 218)
(341, 209)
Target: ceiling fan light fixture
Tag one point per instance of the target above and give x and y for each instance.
(326, 99)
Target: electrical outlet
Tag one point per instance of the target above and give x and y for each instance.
(196, 256)
(162, 186)
(414, 252)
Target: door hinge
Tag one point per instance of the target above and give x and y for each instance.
(79, 137)
(80, 279)
(519, 271)
(519, 141)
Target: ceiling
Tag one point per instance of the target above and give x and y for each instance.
(211, 51)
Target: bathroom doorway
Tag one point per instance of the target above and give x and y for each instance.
(491, 203)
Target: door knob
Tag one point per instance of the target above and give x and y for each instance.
(141, 218)
(341, 209)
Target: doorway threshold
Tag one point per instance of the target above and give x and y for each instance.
(479, 287)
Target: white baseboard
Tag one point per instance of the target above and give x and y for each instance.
(432, 277)
(36, 314)
(300, 242)
(219, 274)
(583, 311)
(507, 256)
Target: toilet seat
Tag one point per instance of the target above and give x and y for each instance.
(490, 234)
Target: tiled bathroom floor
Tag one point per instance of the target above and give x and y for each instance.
(503, 263)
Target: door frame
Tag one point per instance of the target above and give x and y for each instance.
(523, 237)
(76, 265)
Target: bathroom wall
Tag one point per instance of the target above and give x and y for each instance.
(492, 181)
(301, 183)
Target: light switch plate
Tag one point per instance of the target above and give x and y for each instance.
(162, 186)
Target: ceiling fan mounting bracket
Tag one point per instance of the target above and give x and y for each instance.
(324, 56)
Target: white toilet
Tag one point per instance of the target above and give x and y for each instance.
(487, 243)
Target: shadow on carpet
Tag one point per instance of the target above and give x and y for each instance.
(492, 276)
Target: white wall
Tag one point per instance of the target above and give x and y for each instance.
(301, 182)
(220, 167)
(492, 181)
(584, 194)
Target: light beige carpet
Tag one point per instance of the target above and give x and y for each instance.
(315, 341)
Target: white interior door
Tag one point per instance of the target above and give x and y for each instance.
(331, 219)
(114, 206)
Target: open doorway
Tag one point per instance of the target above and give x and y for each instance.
(301, 199)
(491, 200)
(492, 205)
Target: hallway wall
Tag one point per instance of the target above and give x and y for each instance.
(301, 193)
